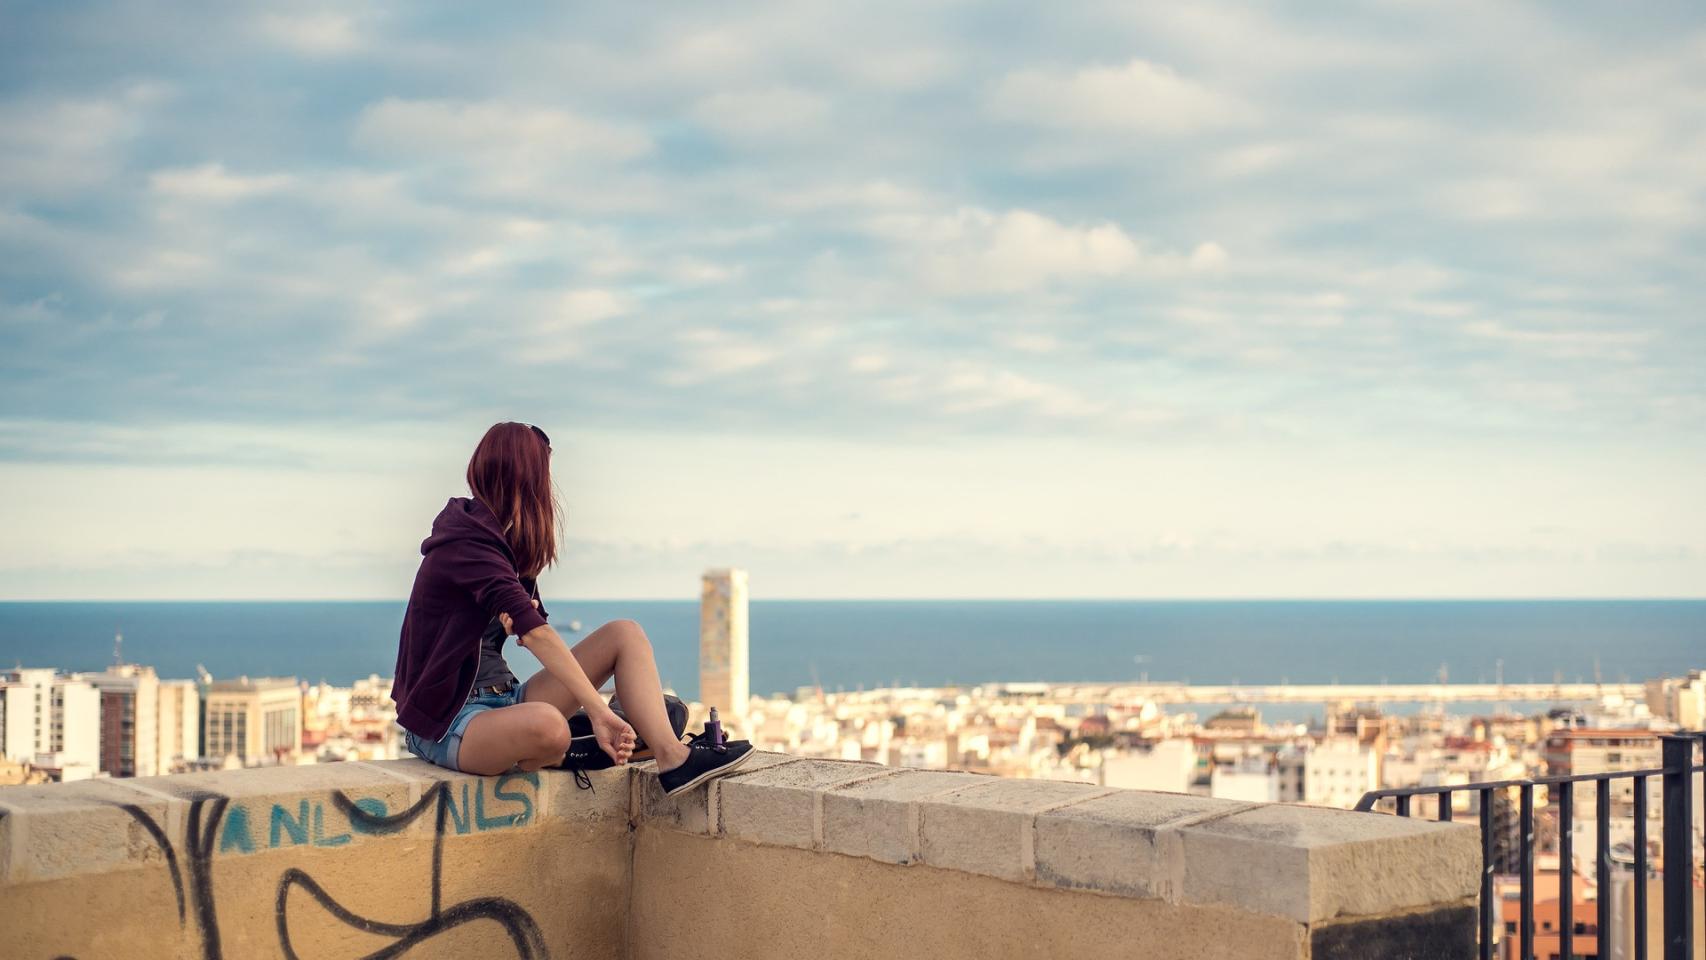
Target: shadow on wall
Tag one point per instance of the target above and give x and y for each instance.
(192, 873)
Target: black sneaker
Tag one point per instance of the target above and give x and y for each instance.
(705, 761)
(584, 752)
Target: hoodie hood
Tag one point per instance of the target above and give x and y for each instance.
(464, 518)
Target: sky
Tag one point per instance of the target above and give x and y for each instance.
(908, 299)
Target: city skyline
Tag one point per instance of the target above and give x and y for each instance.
(1211, 301)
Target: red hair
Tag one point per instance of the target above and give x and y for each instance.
(510, 473)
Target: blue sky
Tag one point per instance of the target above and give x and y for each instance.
(946, 299)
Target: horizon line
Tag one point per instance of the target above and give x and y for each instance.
(1510, 598)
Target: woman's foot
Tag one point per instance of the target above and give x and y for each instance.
(705, 761)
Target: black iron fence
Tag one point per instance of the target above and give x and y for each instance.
(1505, 851)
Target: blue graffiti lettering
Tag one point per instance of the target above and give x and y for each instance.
(458, 816)
(236, 834)
(296, 827)
(500, 793)
(320, 838)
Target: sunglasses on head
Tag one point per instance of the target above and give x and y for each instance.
(542, 437)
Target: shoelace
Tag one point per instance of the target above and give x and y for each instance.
(582, 780)
(703, 741)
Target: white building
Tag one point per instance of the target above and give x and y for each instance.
(1681, 700)
(723, 669)
(49, 720)
(178, 728)
(1167, 765)
(1252, 779)
(1335, 772)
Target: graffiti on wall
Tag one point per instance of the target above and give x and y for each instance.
(217, 827)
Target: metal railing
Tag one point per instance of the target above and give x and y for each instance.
(1676, 832)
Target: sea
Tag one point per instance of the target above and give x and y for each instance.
(853, 644)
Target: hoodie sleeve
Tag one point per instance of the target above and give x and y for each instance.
(485, 572)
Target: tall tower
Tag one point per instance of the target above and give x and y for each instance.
(723, 677)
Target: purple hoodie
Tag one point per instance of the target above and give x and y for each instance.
(467, 577)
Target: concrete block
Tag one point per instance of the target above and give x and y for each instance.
(693, 811)
(1119, 843)
(606, 798)
(878, 818)
(782, 804)
(987, 828)
(1314, 863)
(52, 830)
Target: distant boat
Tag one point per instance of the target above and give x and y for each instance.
(574, 626)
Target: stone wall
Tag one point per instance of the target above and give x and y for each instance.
(335, 860)
(789, 858)
(850, 860)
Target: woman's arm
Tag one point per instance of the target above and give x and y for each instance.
(613, 733)
(489, 576)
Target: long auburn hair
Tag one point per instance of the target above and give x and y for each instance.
(510, 473)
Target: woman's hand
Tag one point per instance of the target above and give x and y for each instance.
(613, 733)
(508, 623)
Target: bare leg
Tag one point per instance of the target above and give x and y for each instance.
(530, 734)
(621, 649)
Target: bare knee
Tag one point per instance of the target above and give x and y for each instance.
(631, 635)
(546, 731)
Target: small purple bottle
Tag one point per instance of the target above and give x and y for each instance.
(714, 728)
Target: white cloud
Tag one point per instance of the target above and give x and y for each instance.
(557, 327)
(318, 34)
(1139, 96)
(212, 182)
(966, 389)
(1031, 342)
(1561, 342)
(162, 268)
(549, 158)
(979, 251)
(581, 307)
(1252, 159)
(52, 146)
(510, 147)
(867, 363)
(693, 271)
(771, 113)
(1207, 255)
(711, 354)
(975, 250)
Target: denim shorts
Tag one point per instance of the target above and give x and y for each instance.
(444, 750)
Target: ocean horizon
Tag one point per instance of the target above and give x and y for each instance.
(850, 644)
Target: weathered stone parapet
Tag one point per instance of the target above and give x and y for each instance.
(804, 857)
(1339, 879)
(302, 861)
